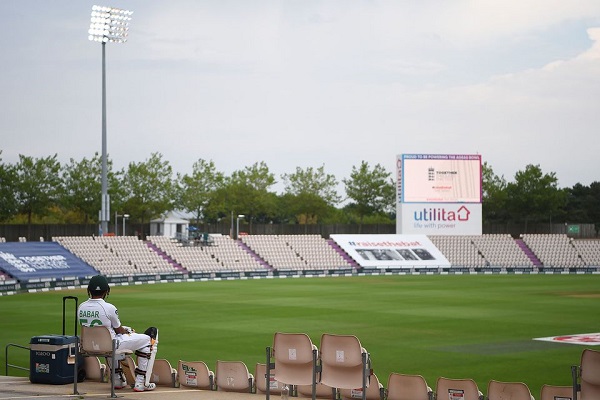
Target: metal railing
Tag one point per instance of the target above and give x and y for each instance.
(6, 357)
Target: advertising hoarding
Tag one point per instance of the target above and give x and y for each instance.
(439, 219)
(391, 251)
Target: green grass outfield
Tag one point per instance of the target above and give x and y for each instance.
(457, 326)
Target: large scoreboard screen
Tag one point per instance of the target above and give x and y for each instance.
(439, 178)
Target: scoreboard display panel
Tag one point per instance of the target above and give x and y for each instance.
(439, 178)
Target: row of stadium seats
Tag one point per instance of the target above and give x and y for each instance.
(128, 255)
(344, 372)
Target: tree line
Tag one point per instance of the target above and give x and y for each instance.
(41, 190)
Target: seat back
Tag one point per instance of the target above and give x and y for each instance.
(195, 374)
(552, 392)
(407, 387)
(233, 376)
(260, 373)
(321, 391)
(450, 389)
(590, 375)
(374, 391)
(293, 354)
(94, 369)
(163, 374)
(96, 340)
(342, 364)
(508, 391)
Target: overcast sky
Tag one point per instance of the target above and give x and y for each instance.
(305, 83)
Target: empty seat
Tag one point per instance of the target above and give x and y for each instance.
(345, 363)
(260, 379)
(94, 369)
(163, 373)
(195, 374)
(464, 389)
(586, 376)
(375, 391)
(233, 376)
(554, 392)
(408, 387)
(508, 391)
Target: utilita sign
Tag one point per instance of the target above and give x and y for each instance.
(439, 218)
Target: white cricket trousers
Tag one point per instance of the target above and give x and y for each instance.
(133, 342)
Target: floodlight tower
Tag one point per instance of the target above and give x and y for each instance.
(107, 25)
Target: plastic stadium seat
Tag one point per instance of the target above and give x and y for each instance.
(233, 376)
(586, 376)
(375, 391)
(97, 341)
(195, 374)
(345, 364)
(465, 389)
(408, 387)
(508, 391)
(260, 374)
(553, 392)
(163, 374)
(321, 392)
(94, 369)
(293, 358)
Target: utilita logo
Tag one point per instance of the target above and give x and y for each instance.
(441, 214)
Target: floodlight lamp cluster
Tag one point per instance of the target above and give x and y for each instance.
(109, 24)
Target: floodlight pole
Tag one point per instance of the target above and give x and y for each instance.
(107, 25)
(105, 211)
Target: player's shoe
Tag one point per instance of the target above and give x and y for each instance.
(141, 387)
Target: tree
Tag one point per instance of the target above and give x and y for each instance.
(310, 193)
(250, 189)
(372, 190)
(584, 204)
(8, 203)
(37, 185)
(494, 195)
(197, 188)
(150, 188)
(82, 187)
(535, 196)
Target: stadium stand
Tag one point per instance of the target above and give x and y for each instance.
(224, 254)
(555, 250)
(408, 387)
(589, 250)
(301, 252)
(501, 250)
(115, 255)
(459, 250)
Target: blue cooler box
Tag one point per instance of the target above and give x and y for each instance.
(52, 359)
